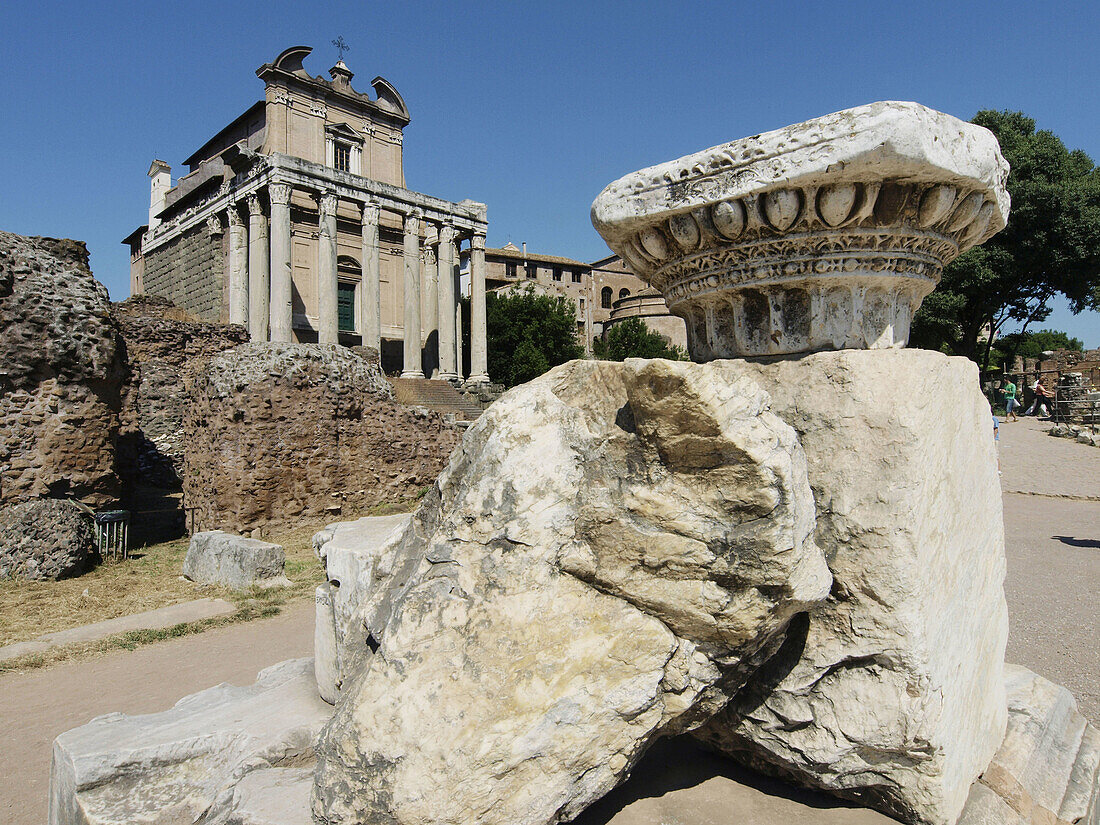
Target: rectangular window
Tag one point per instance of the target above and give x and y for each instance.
(557, 273)
(576, 276)
(532, 271)
(341, 158)
(510, 270)
(345, 305)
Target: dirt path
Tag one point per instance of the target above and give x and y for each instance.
(37, 705)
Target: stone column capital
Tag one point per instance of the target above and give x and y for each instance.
(447, 233)
(234, 215)
(327, 202)
(412, 220)
(280, 193)
(477, 242)
(371, 211)
(255, 205)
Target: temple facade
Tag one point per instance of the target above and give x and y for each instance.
(294, 220)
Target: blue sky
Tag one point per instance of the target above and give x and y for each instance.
(529, 107)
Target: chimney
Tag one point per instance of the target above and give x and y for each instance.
(525, 249)
(160, 176)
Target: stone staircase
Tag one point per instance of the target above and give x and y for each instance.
(439, 396)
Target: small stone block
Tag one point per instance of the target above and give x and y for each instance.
(216, 557)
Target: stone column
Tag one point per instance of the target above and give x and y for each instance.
(370, 305)
(413, 367)
(479, 361)
(259, 280)
(282, 321)
(327, 313)
(448, 301)
(238, 267)
(430, 308)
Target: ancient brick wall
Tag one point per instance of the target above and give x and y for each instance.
(162, 343)
(61, 371)
(279, 432)
(189, 271)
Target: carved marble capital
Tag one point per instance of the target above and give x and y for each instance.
(280, 193)
(412, 222)
(447, 233)
(234, 216)
(823, 235)
(255, 205)
(327, 203)
(371, 212)
(477, 242)
(214, 225)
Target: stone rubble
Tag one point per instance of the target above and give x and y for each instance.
(46, 539)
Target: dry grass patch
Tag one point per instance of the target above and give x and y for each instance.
(29, 609)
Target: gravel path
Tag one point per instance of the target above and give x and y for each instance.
(1052, 529)
(37, 705)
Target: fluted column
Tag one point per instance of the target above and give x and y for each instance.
(238, 267)
(328, 331)
(411, 347)
(370, 307)
(479, 354)
(282, 320)
(447, 303)
(259, 280)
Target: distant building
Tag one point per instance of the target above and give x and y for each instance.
(294, 220)
(594, 289)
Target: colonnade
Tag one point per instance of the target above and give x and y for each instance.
(260, 270)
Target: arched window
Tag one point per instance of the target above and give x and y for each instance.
(624, 293)
(605, 297)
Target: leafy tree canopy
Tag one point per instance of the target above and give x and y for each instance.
(1050, 246)
(1031, 345)
(528, 334)
(633, 339)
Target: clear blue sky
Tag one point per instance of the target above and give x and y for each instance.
(529, 107)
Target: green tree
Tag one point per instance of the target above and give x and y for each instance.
(1051, 246)
(633, 339)
(528, 334)
(1031, 345)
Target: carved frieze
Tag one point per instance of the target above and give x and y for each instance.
(823, 235)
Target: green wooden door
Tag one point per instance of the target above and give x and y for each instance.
(345, 303)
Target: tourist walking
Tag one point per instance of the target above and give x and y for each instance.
(1042, 401)
(1009, 392)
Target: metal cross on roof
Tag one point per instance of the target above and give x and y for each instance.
(341, 45)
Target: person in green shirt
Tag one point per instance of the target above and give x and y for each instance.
(1009, 392)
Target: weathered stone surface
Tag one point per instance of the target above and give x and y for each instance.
(276, 796)
(350, 552)
(221, 558)
(892, 693)
(163, 343)
(187, 764)
(46, 539)
(823, 235)
(280, 432)
(1046, 770)
(602, 563)
(60, 374)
